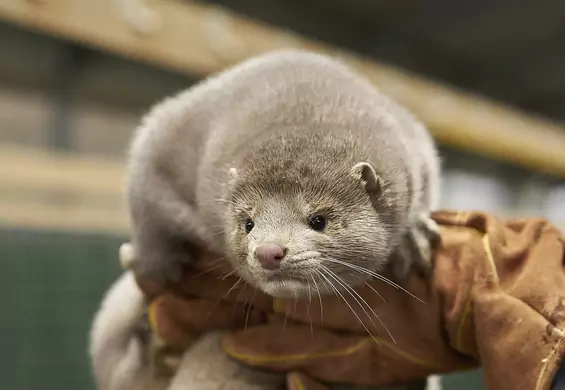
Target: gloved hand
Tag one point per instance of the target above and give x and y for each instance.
(497, 298)
(208, 297)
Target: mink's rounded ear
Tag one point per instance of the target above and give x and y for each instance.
(232, 176)
(365, 173)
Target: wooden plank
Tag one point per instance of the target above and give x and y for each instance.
(32, 168)
(200, 39)
(41, 216)
(43, 190)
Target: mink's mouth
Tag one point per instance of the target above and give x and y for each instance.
(284, 287)
(293, 279)
(304, 256)
(282, 277)
(284, 283)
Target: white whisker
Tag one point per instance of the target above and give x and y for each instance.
(237, 296)
(319, 297)
(285, 319)
(376, 275)
(233, 287)
(310, 321)
(216, 264)
(351, 291)
(376, 292)
(324, 269)
(236, 283)
(233, 271)
(248, 310)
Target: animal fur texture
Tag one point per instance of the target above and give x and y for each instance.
(289, 150)
(275, 144)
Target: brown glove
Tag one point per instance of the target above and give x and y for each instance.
(209, 297)
(497, 298)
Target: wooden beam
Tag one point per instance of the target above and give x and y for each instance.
(46, 190)
(73, 193)
(200, 39)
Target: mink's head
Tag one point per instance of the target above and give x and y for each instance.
(301, 230)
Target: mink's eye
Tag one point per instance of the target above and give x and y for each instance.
(249, 224)
(317, 222)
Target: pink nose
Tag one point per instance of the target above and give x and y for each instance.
(270, 255)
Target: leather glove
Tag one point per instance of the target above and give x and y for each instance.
(208, 297)
(496, 298)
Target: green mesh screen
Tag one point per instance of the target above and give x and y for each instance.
(51, 286)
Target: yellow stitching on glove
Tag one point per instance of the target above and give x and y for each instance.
(463, 321)
(152, 316)
(331, 353)
(297, 382)
(490, 258)
(546, 362)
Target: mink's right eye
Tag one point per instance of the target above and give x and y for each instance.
(249, 224)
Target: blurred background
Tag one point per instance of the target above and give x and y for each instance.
(488, 77)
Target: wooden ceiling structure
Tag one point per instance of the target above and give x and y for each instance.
(488, 77)
(506, 50)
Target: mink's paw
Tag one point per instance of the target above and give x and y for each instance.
(416, 248)
(425, 234)
(127, 256)
(162, 262)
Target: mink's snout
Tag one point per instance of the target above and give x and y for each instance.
(270, 256)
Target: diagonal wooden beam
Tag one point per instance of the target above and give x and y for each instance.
(199, 39)
(61, 191)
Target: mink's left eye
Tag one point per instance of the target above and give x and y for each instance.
(317, 223)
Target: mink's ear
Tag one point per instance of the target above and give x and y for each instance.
(367, 176)
(232, 176)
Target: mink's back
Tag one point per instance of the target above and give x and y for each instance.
(287, 109)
